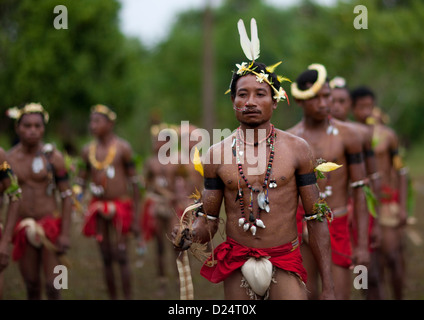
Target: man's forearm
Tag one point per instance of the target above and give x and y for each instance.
(204, 229)
(319, 241)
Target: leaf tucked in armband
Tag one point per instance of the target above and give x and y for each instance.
(371, 200)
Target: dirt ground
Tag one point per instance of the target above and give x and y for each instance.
(85, 277)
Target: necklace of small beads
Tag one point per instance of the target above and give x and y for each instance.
(263, 201)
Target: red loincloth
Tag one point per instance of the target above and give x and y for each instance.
(148, 222)
(341, 247)
(230, 256)
(51, 226)
(389, 195)
(121, 220)
(390, 207)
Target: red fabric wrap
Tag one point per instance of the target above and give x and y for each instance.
(148, 222)
(51, 226)
(341, 248)
(121, 220)
(231, 255)
(389, 195)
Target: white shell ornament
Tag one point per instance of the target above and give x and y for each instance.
(241, 221)
(261, 200)
(37, 164)
(110, 172)
(246, 226)
(253, 230)
(259, 223)
(258, 273)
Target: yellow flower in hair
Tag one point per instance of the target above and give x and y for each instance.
(242, 68)
(13, 113)
(261, 77)
(280, 94)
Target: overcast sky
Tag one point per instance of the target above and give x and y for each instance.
(150, 20)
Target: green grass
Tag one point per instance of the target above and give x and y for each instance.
(85, 276)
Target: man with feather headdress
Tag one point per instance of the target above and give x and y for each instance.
(260, 186)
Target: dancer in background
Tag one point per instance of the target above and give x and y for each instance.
(334, 141)
(112, 179)
(393, 194)
(41, 237)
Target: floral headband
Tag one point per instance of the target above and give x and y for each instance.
(337, 82)
(156, 128)
(251, 49)
(100, 108)
(16, 113)
(313, 90)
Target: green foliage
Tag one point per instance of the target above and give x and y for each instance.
(93, 62)
(68, 70)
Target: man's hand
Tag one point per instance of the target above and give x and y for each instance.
(361, 256)
(63, 244)
(181, 238)
(4, 259)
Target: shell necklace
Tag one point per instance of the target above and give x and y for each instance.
(101, 165)
(251, 223)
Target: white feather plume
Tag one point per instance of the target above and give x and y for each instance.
(251, 48)
(254, 41)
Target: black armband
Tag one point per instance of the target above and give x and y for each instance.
(354, 158)
(214, 184)
(306, 179)
(130, 164)
(5, 170)
(369, 153)
(394, 152)
(61, 176)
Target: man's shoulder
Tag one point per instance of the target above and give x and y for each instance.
(290, 139)
(13, 151)
(350, 131)
(294, 128)
(218, 146)
(122, 141)
(53, 153)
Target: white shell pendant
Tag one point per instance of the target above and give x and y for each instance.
(253, 230)
(259, 223)
(246, 226)
(37, 164)
(241, 221)
(110, 172)
(267, 209)
(272, 184)
(261, 200)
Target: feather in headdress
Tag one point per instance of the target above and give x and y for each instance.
(251, 48)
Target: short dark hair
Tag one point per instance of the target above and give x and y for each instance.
(308, 76)
(361, 92)
(258, 67)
